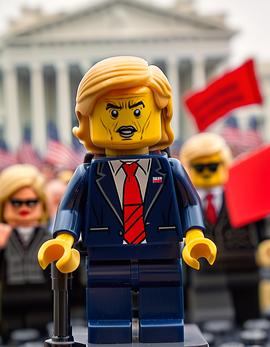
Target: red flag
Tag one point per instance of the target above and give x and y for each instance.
(247, 191)
(234, 89)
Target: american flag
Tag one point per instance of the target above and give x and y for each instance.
(252, 138)
(241, 141)
(7, 158)
(157, 179)
(26, 154)
(231, 133)
(59, 154)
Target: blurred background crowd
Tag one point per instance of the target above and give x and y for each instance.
(29, 203)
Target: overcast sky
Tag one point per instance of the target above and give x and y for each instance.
(250, 17)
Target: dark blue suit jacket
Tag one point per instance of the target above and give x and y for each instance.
(91, 207)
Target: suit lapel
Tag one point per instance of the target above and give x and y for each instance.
(216, 231)
(222, 215)
(156, 180)
(106, 185)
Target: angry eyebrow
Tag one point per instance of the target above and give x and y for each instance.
(140, 103)
(110, 105)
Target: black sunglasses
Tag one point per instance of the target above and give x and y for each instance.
(212, 167)
(28, 203)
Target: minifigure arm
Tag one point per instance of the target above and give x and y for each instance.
(187, 197)
(67, 227)
(5, 232)
(197, 246)
(70, 212)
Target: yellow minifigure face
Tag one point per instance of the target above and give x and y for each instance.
(126, 121)
(208, 171)
(23, 209)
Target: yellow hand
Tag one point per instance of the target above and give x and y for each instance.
(5, 232)
(197, 246)
(263, 254)
(59, 249)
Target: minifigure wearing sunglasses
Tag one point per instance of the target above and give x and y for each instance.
(234, 280)
(25, 299)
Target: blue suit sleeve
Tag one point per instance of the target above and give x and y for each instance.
(188, 200)
(70, 210)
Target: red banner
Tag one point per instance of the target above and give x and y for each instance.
(235, 89)
(247, 191)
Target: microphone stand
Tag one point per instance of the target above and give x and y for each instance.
(62, 330)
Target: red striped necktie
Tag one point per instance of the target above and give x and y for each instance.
(134, 229)
(210, 210)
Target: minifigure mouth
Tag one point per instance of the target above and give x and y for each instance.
(126, 131)
(206, 177)
(24, 213)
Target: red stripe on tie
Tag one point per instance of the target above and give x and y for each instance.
(134, 228)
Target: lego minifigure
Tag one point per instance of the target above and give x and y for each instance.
(207, 159)
(25, 298)
(55, 190)
(132, 206)
(64, 175)
(263, 261)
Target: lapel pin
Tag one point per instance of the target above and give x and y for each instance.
(157, 179)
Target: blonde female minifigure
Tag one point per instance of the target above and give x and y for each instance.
(23, 215)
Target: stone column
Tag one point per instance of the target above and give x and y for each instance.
(38, 112)
(64, 122)
(2, 98)
(198, 73)
(173, 77)
(12, 127)
(84, 66)
(221, 68)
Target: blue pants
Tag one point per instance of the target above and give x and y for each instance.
(119, 291)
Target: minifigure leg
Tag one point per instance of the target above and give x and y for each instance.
(109, 315)
(109, 302)
(161, 310)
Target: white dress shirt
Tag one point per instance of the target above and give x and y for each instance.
(119, 175)
(25, 233)
(217, 193)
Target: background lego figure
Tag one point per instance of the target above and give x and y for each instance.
(64, 175)
(132, 205)
(25, 297)
(263, 261)
(54, 190)
(207, 159)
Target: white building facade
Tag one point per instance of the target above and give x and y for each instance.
(42, 64)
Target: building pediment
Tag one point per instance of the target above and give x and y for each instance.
(119, 20)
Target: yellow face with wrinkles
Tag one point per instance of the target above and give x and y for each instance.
(126, 120)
